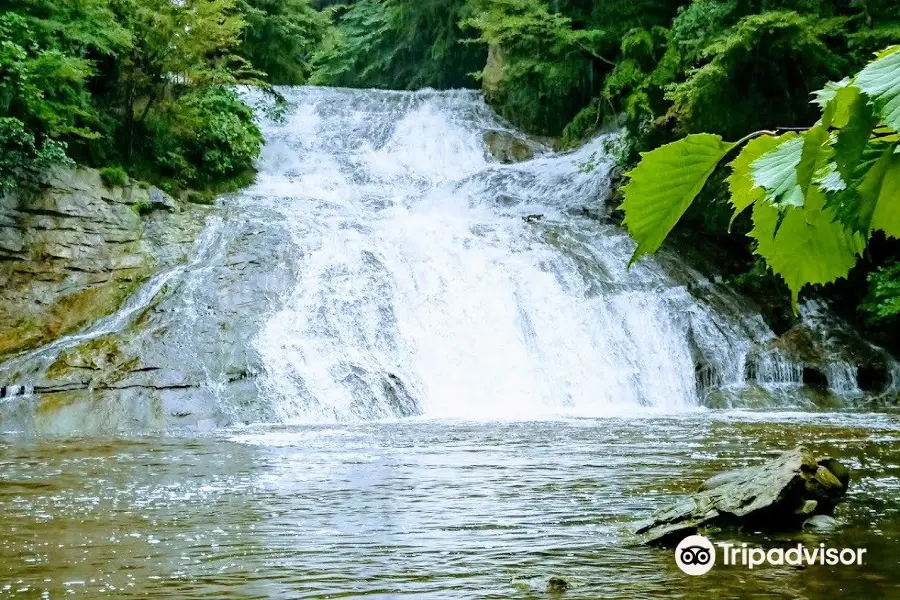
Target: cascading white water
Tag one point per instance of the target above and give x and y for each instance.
(385, 265)
(424, 288)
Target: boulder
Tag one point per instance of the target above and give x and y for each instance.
(778, 494)
(820, 523)
(161, 200)
(508, 147)
(557, 585)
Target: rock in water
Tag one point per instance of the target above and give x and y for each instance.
(778, 494)
(557, 585)
(507, 147)
(820, 523)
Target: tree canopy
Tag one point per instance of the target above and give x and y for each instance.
(148, 84)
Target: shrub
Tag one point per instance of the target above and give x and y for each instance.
(204, 137)
(142, 207)
(22, 157)
(114, 176)
(883, 300)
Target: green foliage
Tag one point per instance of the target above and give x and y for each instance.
(22, 158)
(397, 44)
(204, 136)
(143, 83)
(281, 38)
(744, 191)
(142, 207)
(42, 86)
(113, 176)
(880, 81)
(545, 63)
(664, 184)
(778, 53)
(882, 304)
(583, 125)
(804, 245)
(551, 66)
(812, 210)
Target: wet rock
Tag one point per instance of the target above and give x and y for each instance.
(195, 197)
(820, 523)
(72, 250)
(752, 396)
(801, 344)
(824, 487)
(507, 147)
(815, 398)
(557, 585)
(728, 477)
(823, 345)
(837, 469)
(399, 397)
(808, 508)
(161, 200)
(775, 494)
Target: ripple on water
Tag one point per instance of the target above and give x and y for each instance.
(417, 508)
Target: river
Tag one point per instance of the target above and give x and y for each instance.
(421, 508)
(451, 386)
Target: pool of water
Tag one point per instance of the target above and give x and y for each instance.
(422, 508)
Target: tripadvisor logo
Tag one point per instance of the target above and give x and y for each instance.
(696, 555)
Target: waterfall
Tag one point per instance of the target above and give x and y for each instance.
(435, 281)
(384, 264)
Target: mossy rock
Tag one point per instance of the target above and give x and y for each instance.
(71, 313)
(800, 344)
(101, 358)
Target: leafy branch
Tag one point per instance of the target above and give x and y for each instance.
(817, 194)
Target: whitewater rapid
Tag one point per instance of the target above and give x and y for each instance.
(427, 285)
(385, 265)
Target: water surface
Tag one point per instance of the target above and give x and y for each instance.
(421, 508)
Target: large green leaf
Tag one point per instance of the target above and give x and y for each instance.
(787, 172)
(836, 100)
(856, 199)
(817, 151)
(804, 245)
(880, 194)
(744, 191)
(665, 183)
(881, 81)
(827, 94)
(776, 173)
(854, 136)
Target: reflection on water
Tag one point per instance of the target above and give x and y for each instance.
(418, 508)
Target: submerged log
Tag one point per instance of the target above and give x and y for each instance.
(779, 494)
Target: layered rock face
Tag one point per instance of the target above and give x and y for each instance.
(116, 313)
(73, 250)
